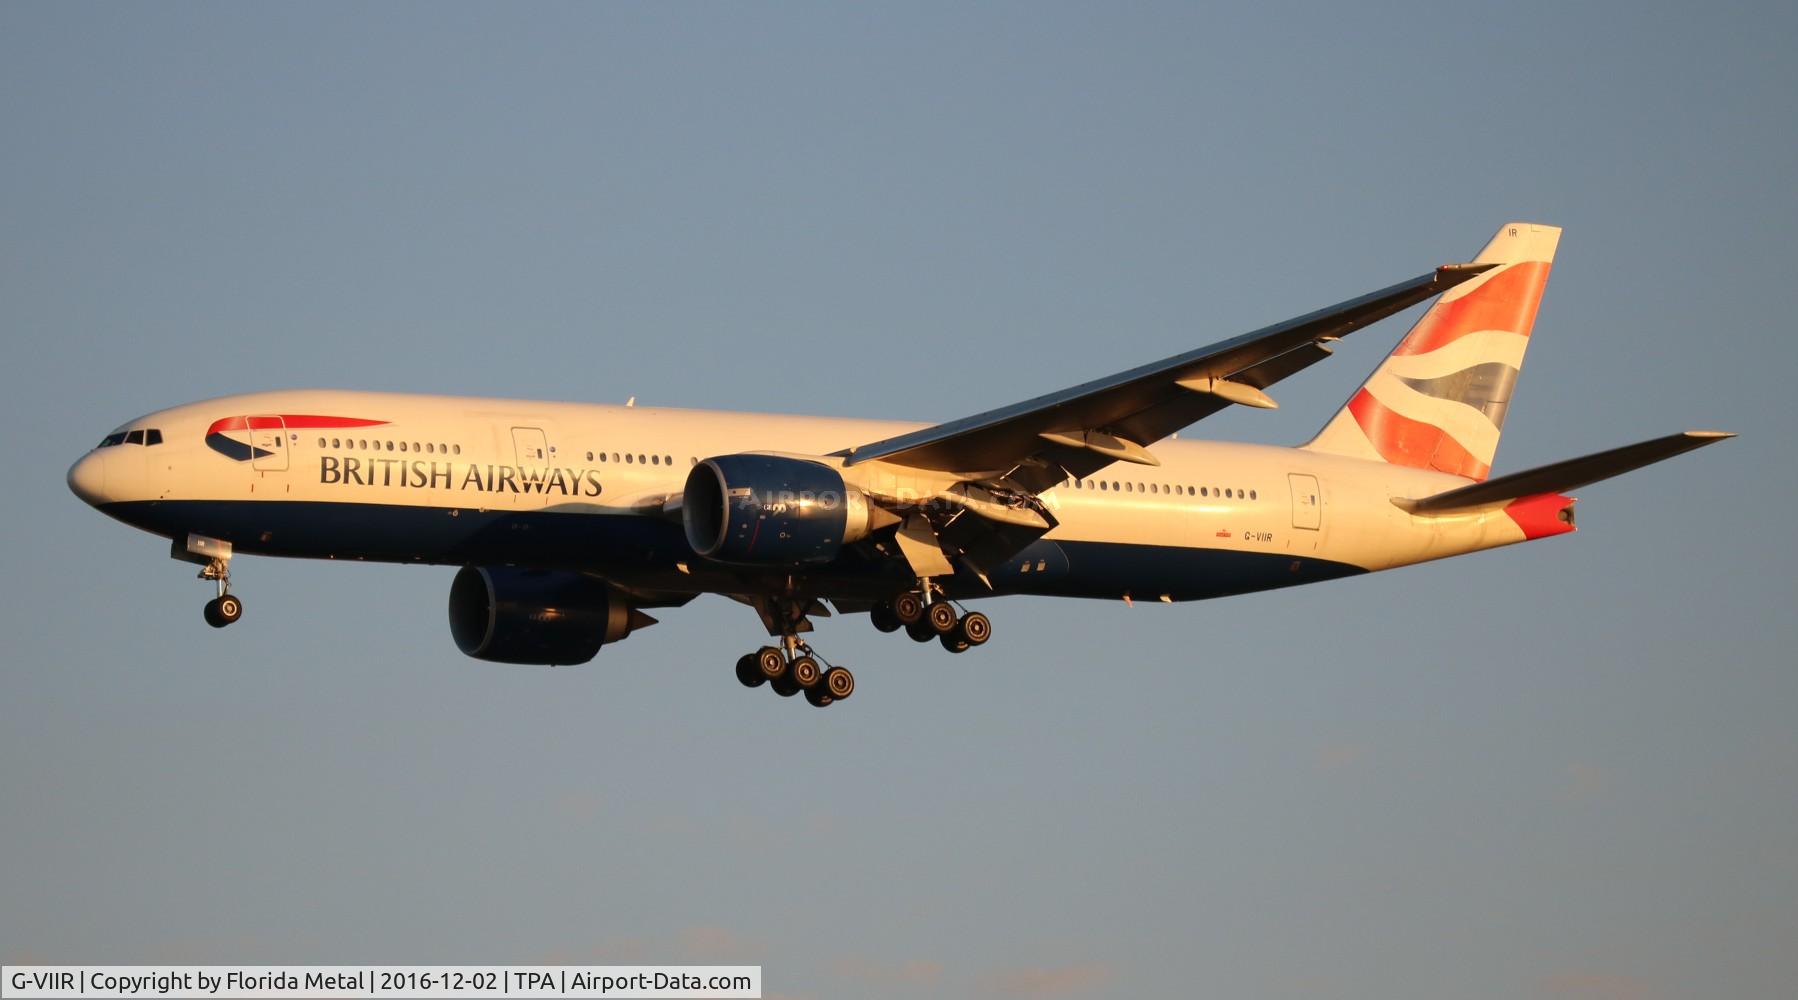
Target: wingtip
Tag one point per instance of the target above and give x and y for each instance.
(1710, 435)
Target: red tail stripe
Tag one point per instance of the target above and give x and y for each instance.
(1507, 301)
(1540, 516)
(1403, 441)
(300, 420)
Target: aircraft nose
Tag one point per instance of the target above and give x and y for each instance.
(87, 478)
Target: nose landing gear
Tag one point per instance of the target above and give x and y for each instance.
(226, 607)
(214, 557)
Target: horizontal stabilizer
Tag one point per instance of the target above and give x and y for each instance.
(1561, 476)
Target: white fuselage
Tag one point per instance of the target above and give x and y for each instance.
(463, 480)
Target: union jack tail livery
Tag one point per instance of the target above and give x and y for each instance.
(1438, 401)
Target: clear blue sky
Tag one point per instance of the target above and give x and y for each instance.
(1566, 770)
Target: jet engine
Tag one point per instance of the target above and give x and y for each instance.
(771, 510)
(509, 615)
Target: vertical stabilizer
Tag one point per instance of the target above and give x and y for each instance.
(1439, 399)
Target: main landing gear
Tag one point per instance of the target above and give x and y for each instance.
(926, 615)
(792, 668)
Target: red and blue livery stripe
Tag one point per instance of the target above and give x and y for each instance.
(242, 451)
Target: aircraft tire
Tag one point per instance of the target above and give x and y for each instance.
(230, 608)
(817, 698)
(943, 618)
(805, 672)
(839, 683)
(954, 643)
(748, 674)
(976, 628)
(920, 631)
(771, 663)
(784, 686)
(883, 617)
(908, 608)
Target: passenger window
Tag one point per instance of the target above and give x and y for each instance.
(641, 459)
(655, 460)
(1101, 484)
(628, 460)
(458, 448)
(667, 459)
(402, 446)
(1252, 495)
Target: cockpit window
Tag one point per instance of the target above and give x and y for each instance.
(142, 435)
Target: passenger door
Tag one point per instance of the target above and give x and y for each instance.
(1307, 502)
(268, 443)
(532, 447)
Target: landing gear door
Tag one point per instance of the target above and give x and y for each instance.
(268, 443)
(1307, 502)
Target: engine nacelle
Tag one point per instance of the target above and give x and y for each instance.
(511, 615)
(771, 510)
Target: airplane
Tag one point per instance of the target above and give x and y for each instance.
(571, 521)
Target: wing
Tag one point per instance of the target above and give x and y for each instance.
(1039, 442)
